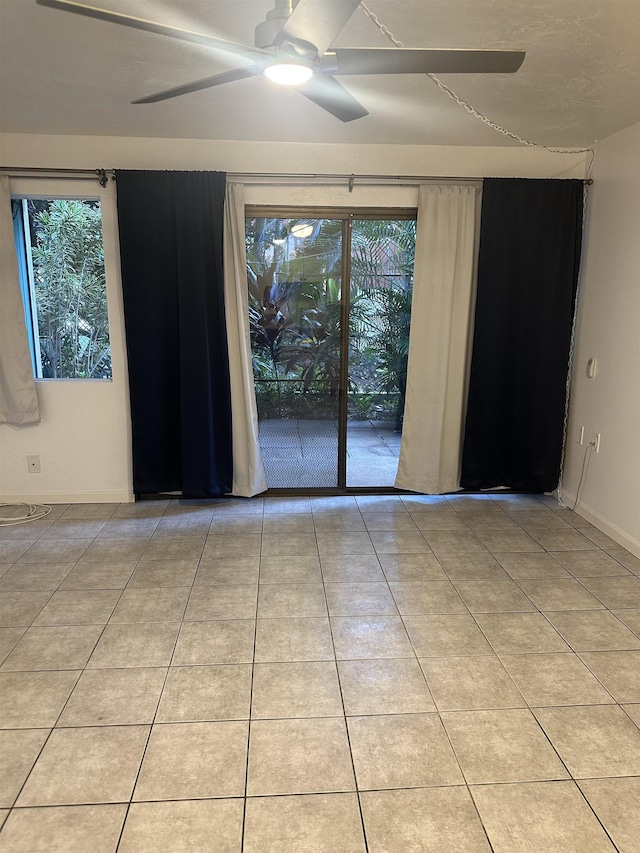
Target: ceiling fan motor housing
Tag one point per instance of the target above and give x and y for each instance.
(267, 32)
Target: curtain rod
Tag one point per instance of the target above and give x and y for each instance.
(258, 177)
(338, 177)
(69, 174)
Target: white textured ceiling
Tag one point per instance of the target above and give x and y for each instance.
(64, 74)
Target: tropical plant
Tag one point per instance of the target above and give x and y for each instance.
(312, 348)
(295, 308)
(294, 305)
(382, 277)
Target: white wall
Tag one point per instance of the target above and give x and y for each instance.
(608, 329)
(106, 152)
(84, 438)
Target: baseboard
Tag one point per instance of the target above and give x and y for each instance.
(615, 533)
(115, 496)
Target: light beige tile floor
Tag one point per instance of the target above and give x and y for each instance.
(340, 675)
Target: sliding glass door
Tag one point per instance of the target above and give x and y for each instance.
(294, 275)
(381, 281)
(329, 360)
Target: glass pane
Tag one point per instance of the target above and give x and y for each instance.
(69, 287)
(294, 282)
(382, 255)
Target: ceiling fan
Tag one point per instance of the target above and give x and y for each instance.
(292, 47)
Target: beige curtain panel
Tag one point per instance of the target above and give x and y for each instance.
(18, 399)
(248, 471)
(440, 340)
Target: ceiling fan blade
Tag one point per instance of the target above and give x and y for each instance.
(327, 93)
(244, 51)
(317, 22)
(198, 85)
(392, 60)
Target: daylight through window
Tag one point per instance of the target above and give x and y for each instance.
(62, 279)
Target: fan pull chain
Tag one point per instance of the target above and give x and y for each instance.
(523, 141)
(472, 110)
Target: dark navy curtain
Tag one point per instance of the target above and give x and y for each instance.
(530, 240)
(171, 227)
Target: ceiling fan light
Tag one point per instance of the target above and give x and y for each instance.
(288, 74)
(302, 230)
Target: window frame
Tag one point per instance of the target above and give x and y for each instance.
(345, 214)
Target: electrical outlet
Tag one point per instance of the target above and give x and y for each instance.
(580, 435)
(595, 441)
(33, 464)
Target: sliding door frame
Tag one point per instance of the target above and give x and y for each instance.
(347, 215)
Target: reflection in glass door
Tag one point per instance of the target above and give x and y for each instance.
(381, 283)
(330, 405)
(294, 273)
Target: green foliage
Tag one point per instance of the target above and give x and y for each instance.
(277, 398)
(361, 406)
(295, 312)
(68, 264)
(382, 261)
(312, 347)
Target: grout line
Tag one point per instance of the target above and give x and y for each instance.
(83, 669)
(53, 727)
(576, 782)
(484, 828)
(155, 714)
(346, 727)
(250, 710)
(144, 751)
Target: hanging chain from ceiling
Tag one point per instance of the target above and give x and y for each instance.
(591, 149)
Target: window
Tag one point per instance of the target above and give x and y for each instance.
(62, 279)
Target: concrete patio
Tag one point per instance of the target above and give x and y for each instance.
(304, 453)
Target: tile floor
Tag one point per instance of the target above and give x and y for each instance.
(336, 675)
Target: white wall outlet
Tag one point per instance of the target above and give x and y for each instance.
(33, 464)
(595, 441)
(580, 435)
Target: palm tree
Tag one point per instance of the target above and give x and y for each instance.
(382, 259)
(294, 301)
(295, 305)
